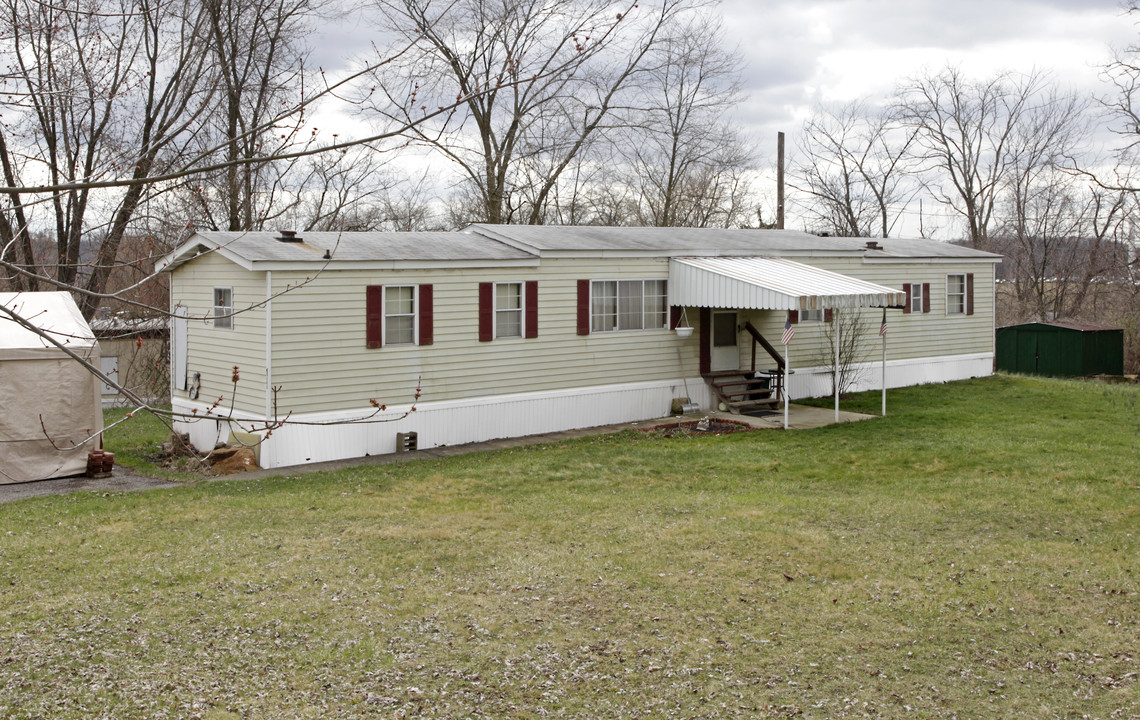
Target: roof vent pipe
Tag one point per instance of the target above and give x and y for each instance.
(873, 245)
(289, 236)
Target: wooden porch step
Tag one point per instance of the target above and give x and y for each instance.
(752, 404)
(740, 390)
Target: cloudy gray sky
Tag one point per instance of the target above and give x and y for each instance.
(799, 53)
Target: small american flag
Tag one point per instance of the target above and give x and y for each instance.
(883, 327)
(789, 332)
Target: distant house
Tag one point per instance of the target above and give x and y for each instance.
(133, 353)
(516, 330)
(50, 417)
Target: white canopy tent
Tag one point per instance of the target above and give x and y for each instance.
(50, 411)
(765, 283)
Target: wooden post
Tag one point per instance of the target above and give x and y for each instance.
(780, 181)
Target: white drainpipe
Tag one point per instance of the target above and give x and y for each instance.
(268, 344)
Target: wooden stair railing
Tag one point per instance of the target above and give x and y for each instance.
(741, 390)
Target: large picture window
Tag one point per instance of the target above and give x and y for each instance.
(627, 305)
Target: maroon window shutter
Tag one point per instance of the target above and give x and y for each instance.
(906, 289)
(531, 309)
(674, 317)
(427, 315)
(969, 293)
(706, 341)
(486, 312)
(583, 307)
(374, 315)
(828, 314)
(793, 316)
(926, 297)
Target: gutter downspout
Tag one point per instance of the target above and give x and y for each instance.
(268, 344)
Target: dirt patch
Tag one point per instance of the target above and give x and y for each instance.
(705, 426)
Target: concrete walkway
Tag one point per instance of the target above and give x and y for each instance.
(801, 417)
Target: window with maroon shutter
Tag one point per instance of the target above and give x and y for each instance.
(486, 311)
(583, 307)
(926, 297)
(531, 313)
(793, 316)
(374, 315)
(427, 315)
(909, 299)
(957, 290)
(969, 293)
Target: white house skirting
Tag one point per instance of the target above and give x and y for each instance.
(455, 422)
(816, 381)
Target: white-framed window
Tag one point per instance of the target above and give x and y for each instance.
(955, 294)
(628, 305)
(399, 314)
(224, 307)
(508, 310)
(811, 315)
(916, 297)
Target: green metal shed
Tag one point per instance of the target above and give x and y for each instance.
(1060, 349)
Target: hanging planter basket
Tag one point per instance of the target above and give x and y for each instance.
(683, 331)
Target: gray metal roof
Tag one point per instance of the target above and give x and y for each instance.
(674, 242)
(504, 243)
(118, 326)
(765, 283)
(360, 246)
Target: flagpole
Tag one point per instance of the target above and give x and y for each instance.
(786, 339)
(787, 372)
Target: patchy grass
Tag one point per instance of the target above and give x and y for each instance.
(137, 441)
(971, 555)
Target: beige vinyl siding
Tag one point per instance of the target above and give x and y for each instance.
(321, 362)
(214, 352)
(913, 335)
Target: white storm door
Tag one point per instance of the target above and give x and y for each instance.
(725, 353)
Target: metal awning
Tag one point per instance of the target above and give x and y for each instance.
(764, 283)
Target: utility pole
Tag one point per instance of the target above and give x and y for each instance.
(780, 181)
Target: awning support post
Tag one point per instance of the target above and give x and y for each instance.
(835, 378)
(883, 334)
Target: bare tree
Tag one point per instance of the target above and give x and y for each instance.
(537, 81)
(1062, 240)
(257, 49)
(851, 329)
(684, 158)
(108, 90)
(855, 169)
(972, 135)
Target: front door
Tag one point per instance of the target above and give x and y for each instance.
(725, 354)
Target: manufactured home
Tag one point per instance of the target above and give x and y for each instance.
(337, 345)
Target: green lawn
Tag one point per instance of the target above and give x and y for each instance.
(973, 555)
